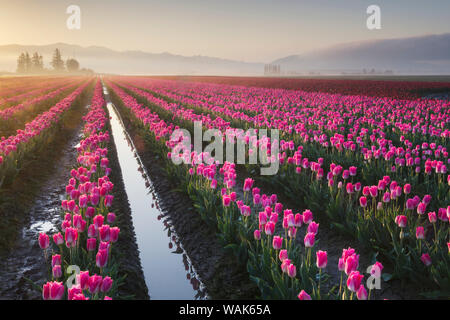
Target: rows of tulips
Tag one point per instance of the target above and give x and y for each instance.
(376, 88)
(378, 227)
(247, 222)
(15, 147)
(38, 96)
(88, 230)
(379, 155)
(14, 90)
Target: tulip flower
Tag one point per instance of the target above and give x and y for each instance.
(303, 295)
(257, 234)
(313, 227)
(114, 234)
(376, 269)
(53, 290)
(58, 239)
(94, 284)
(101, 258)
(106, 284)
(361, 294)
(420, 233)
(354, 281)
(426, 259)
(56, 260)
(401, 221)
(291, 271)
(269, 228)
(277, 242)
(309, 240)
(322, 259)
(44, 241)
(363, 201)
(283, 255)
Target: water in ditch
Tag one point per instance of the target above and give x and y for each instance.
(167, 269)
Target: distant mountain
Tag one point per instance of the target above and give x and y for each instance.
(105, 60)
(421, 55)
(428, 54)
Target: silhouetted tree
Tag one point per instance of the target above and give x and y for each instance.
(21, 63)
(72, 65)
(37, 62)
(27, 63)
(57, 62)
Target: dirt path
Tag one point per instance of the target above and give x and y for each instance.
(26, 260)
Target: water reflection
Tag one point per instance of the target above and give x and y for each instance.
(161, 251)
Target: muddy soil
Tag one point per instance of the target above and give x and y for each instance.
(25, 261)
(218, 270)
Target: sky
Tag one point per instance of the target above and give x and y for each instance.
(246, 30)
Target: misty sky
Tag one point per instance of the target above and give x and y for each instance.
(248, 30)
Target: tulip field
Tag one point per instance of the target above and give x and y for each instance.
(369, 169)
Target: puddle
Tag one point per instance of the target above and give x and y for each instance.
(167, 269)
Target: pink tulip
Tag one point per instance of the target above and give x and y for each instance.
(309, 240)
(101, 258)
(104, 233)
(111, 217)
(291, 271)
(426, 259)
(53, 290)
(401, 221)
(56, 260)
(303, 295)
(226, 200)
(57, 272)
(58, 239)
(106, 284)
(361, 294)
(322, 259)
(420, 233)
(307, 216)
(432, 217)
(98, 221)
(269, 228)
(354, 281)
(421, 208)
(44, 241)
(407, 188)
(363, 201)
(257, 234)
(313, 227)
(114, 234)
(95, 282)
(73, 291)
(83, 280)
(284, 265)
(351, 264)
(283, 255)
(376, 269)
(277, 242)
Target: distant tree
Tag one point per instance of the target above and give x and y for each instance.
(72, 65)
(37, 63)
(57, 62)
(21, 63)
(28, 64)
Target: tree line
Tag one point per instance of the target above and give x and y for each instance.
(35, 64)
